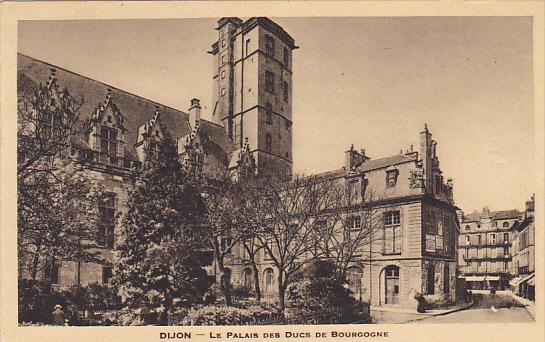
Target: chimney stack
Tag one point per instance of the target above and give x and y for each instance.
(354, 158)
(194, 113)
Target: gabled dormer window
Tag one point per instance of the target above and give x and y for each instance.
(391, 178)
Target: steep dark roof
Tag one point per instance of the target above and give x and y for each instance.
(370, 165)
(135, 109)
(495, 215)
(386, 162)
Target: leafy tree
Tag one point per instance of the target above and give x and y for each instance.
(161, 250)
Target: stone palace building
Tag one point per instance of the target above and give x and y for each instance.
(251, 125)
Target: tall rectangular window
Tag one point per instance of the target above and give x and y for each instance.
(247, 47)
(106, 209)
(268, 142)
(269, 82)
(268, 113)
(286, 57)
(392, 232)
(108, 145)
(286, 91)
(505, 237)
(269, 45)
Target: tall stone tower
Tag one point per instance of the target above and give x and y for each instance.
(253, 90)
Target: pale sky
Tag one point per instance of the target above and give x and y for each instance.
(371, 82)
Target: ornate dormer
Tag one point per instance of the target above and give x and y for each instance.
(242, 163)
(149, 135)
(190, 146)
(51, 109)
(106, 132)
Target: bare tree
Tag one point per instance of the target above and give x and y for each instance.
(353, 227)
(285, 223)
(226, 222)
(56, 201)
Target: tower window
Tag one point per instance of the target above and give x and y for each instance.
(269, 45)
(247, 46)
(286, 91)
(222, 91)
(268, 113)
(268, 142)
(269, 82)
(223, 59)
(223, 43)
(223, 74)
(286, 57)
(288, 125)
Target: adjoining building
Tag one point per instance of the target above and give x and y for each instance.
(485, 248)
(415, 252)
(523, 252)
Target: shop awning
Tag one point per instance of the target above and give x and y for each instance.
(530, 280)
(515, 281)
(475, 278)
(492, 278)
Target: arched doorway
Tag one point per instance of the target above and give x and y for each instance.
(248, 277)
(391, 285)
(268, 279)
(354, 277)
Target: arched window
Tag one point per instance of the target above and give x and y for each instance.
(506, 224)
(227, 277)
(268, 276)
(248, 277)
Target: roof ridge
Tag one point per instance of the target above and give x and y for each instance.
(110, 86)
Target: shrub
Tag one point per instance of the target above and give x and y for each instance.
(316, 288)
(228, 315)
(241, 292)
(38, 298)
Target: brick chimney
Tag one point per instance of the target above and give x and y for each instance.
(194, 113)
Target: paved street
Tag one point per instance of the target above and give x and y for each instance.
(484, 310)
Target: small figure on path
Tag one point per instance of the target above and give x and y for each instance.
(58, 315)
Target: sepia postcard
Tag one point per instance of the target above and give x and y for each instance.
(295, 171)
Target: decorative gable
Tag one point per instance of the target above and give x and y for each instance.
(149, 134)
(242, 163)
(106, 132)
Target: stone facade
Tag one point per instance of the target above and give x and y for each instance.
(418, 257)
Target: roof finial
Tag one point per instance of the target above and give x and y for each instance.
(52, 77)
(108, 96)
